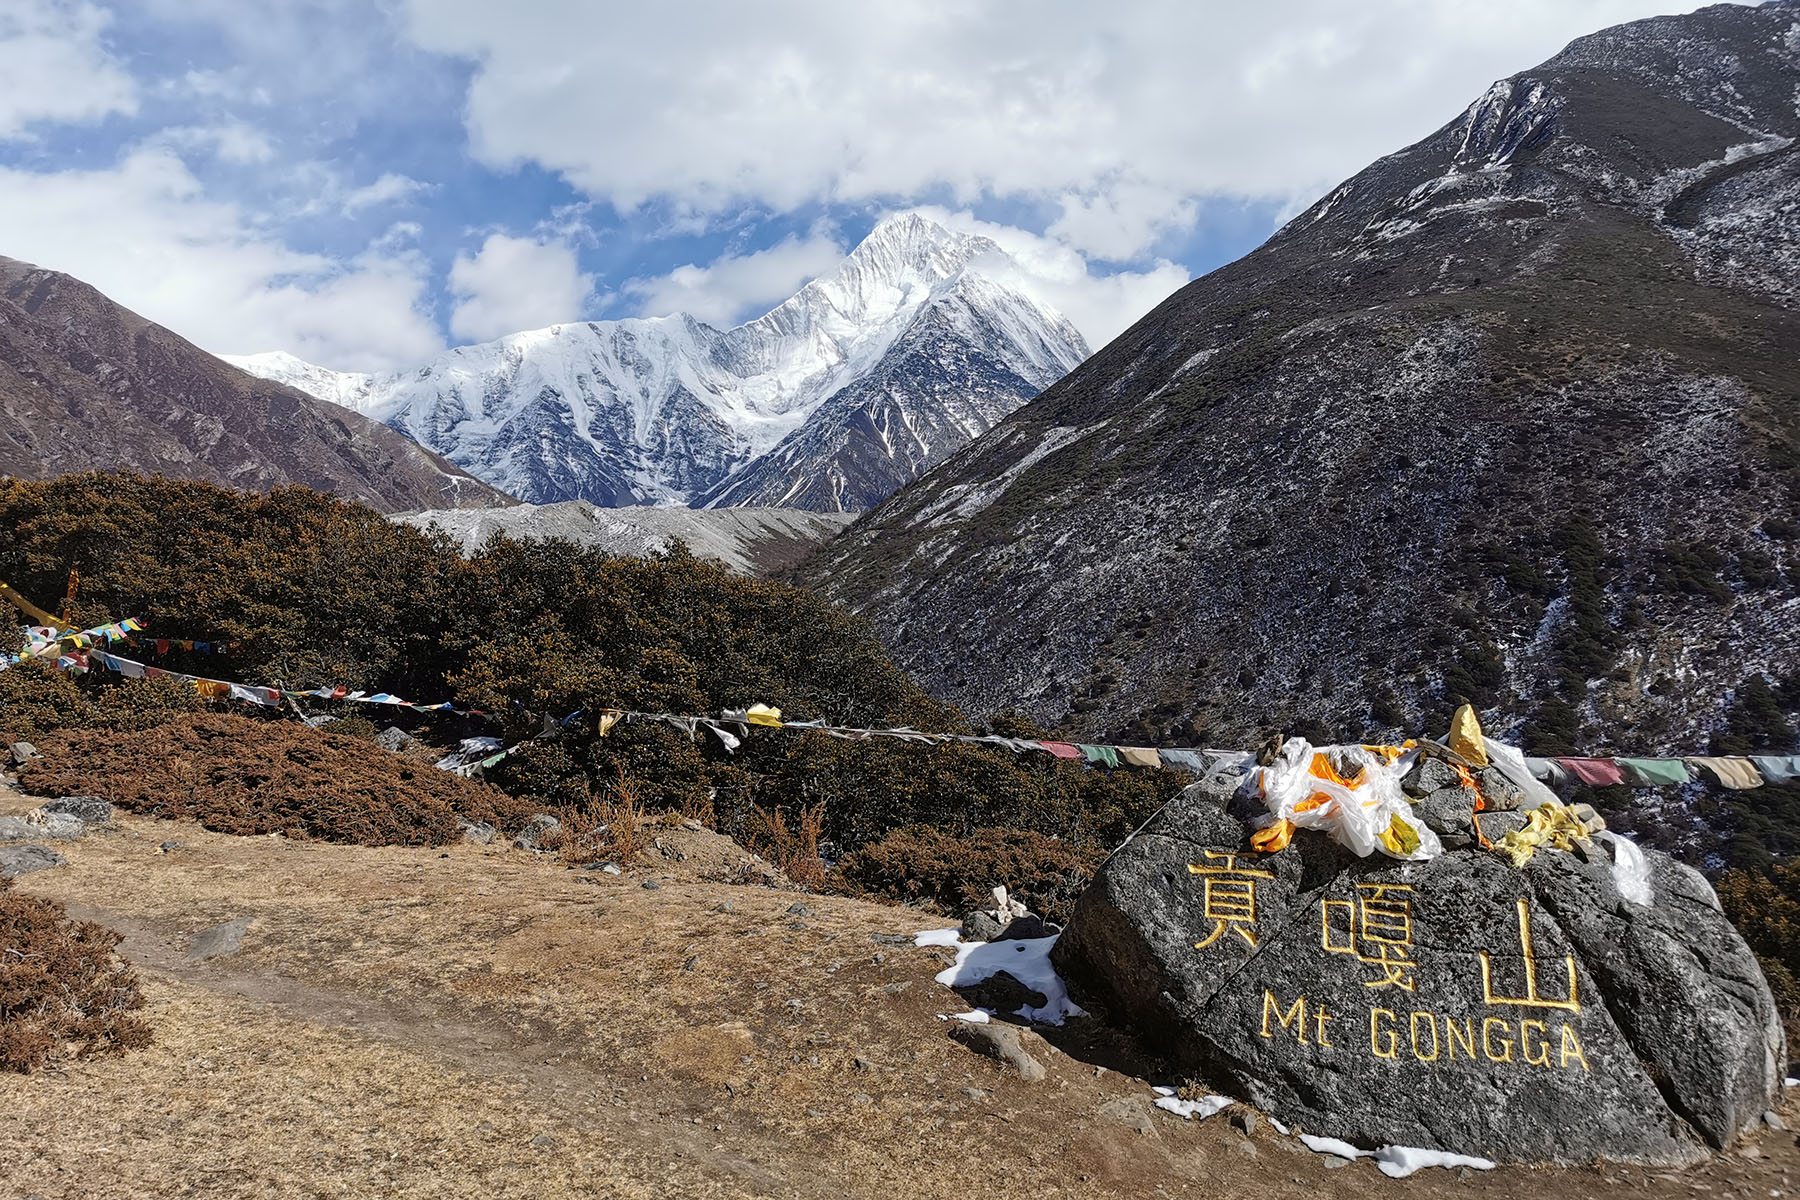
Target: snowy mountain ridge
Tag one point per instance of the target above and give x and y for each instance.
(909, 349)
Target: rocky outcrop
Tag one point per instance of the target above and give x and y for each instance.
(1459, 1004)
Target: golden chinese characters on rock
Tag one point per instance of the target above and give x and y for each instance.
(1375, 930)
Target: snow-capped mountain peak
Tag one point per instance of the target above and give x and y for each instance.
(670, 410)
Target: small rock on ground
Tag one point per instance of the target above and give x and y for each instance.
(479, 832)
(536, 830)
(220, 940)
(1005, 1043)
(1131, 1111)
(394, 738)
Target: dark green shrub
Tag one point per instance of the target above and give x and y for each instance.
(954, 874)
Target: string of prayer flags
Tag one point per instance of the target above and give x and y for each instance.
(168, 645)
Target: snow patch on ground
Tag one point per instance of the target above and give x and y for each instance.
(1189, 1110)
(1396, 1162)
(1027, 960)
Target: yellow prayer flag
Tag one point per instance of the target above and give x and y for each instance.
(763, 714)
(1274, 837)
(1465, 737)
(607, 721)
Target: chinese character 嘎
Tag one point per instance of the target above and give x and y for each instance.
(1379, 932)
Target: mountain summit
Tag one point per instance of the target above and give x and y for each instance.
(1513, 415)
(869, 375)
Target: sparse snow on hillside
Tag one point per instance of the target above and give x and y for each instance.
(750, 541)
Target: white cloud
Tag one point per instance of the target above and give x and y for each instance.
(391, 188)
(1102, 306)
(516, 283)
(1119, 114)
(145, 233)
(233, 142)
(54, 67)
(734, 287)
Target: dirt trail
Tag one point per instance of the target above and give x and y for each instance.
(413, 1022)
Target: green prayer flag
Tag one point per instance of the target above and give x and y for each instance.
(1654, 772)
(1104, 756)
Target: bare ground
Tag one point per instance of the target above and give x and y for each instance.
(477, 1021)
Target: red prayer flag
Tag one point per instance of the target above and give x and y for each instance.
(1595, 772)
(1060, 749)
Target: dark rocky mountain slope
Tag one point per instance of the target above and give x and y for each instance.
(1512, 415)
(85, 383)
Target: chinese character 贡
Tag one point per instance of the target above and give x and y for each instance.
(1228, 898)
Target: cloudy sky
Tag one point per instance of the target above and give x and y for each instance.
(363, 182)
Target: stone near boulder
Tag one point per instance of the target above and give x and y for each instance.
(536, 831)
(984, 926)
(89, 810)
(482, 833)
(23, 860)
(981, 926)
(394, 739)
(220, 940)
(1459, 1004)
(21, 753)
(60, 827)
(1006, 1043)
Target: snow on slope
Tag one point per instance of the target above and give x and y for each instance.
(347, 388)
(672, 411)
(750, 541)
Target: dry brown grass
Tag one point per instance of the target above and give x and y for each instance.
(409, 1022)
(612, 824)
(795, 848)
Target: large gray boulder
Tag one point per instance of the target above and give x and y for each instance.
(1459, 1004)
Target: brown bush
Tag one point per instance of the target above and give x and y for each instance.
(1765, 906)
(37, 699)
(952, 874)
(63, 992)
(236, 775)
